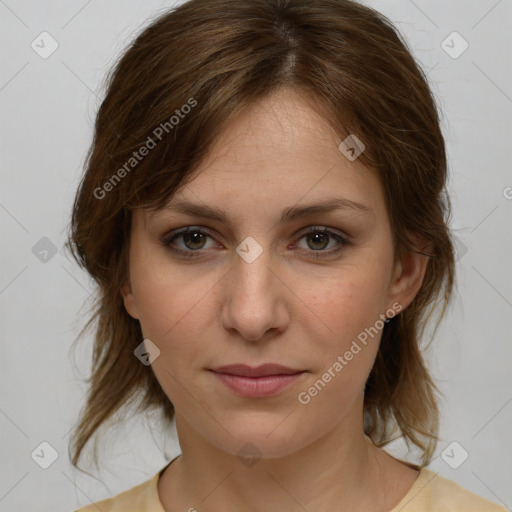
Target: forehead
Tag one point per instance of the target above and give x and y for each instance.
(279, 152)
(284, 126)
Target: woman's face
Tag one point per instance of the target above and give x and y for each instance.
(255, 288)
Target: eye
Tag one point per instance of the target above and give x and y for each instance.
(194, 240)
(319, 238)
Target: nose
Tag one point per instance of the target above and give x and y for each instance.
(255, 301)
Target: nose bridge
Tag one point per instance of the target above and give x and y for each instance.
(253, 304)
(253, 262)
(252, 275)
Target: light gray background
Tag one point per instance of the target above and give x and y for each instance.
(47, 111)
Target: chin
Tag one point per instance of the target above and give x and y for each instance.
(264, 436)
(258, 446)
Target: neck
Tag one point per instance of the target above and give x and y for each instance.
(342, 470)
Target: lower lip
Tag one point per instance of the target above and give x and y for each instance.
(257, 387)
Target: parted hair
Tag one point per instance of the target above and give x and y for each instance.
(217, 57)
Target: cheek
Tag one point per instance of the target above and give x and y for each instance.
(339, 309)
(172, 315)
(168, 311)
(177, 312)
(165, 293)
(344, 334)
(177, 306)
(343, 354)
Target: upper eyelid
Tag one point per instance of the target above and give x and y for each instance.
(168, 237)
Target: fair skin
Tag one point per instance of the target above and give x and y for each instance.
(287, 307)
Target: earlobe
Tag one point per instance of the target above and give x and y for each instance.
(129, 299)
(409, 273)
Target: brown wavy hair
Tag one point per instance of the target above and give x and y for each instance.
(220, 56)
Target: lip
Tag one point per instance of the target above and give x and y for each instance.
(259, 382)
(263, 370)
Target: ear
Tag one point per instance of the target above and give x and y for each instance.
(129, 299)
(409, 272)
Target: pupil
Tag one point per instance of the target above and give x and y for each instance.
(194, 238)
(317, 239)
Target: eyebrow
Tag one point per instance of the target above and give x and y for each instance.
(287, 215)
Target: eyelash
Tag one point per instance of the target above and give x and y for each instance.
(170, 237)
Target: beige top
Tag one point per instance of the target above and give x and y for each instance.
(429, 493)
